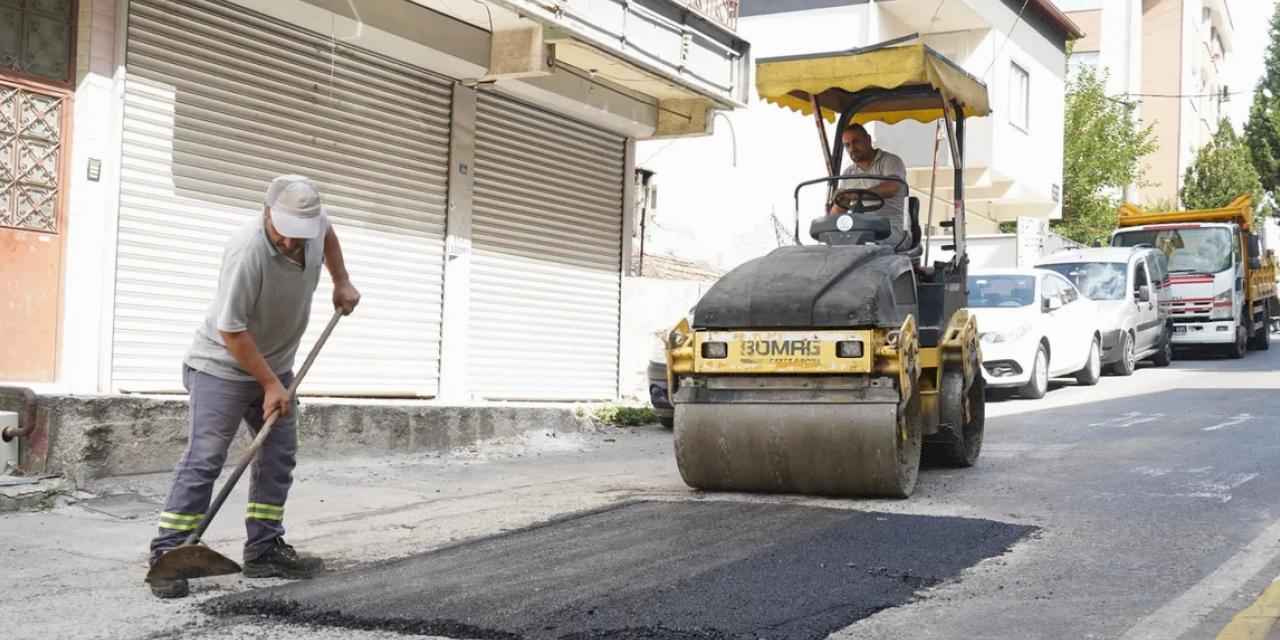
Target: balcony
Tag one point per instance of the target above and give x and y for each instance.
(722, 12)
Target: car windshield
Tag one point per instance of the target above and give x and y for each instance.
(1190, 250)
(1001, 291)
(1095, 280)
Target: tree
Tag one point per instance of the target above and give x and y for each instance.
(1223, 171)
(1102, 149)
(1262, 130)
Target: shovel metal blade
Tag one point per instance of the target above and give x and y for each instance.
(192, 561)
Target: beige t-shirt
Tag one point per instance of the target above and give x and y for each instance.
(263, 292)
(884, 164)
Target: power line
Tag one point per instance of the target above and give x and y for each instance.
(1007, 36)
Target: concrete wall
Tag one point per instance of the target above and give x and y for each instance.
(88, 437)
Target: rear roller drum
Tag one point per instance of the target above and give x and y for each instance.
(960, 444)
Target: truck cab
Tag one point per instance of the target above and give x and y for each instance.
(1219, 283)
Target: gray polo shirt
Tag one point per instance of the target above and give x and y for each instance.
(885, 164)
(260, 291)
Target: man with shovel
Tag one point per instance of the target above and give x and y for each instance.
(239, 367)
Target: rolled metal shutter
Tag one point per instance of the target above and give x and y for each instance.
(218, 101)
(547, 249)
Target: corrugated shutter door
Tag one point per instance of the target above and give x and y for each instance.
(220, 100)
(546, 267)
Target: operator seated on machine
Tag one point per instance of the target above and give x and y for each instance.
(868, 160)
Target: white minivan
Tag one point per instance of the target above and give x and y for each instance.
(1130, 286)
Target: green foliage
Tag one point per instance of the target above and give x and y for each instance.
(1262, 130)
(1222, 172)
(625, 416)
(1103, 147)
(1009, 226)
(1161, 206)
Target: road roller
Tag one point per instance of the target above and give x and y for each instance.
(833, 366)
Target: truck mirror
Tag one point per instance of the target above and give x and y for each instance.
(1144, 293)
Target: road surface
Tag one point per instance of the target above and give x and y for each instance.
(1141, 508)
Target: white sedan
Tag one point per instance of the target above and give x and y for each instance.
(1034, 325)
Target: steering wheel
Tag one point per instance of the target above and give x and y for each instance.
(856, 200)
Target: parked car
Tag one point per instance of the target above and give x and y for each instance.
(658, 396)
(1130, 287)
(1034, 325)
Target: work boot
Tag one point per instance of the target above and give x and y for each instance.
(282, 561)
(167, 588)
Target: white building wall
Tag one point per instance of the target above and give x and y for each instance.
(719, 213)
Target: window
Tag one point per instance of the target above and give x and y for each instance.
(1139, 279)
(35, 38)
(1069, 293)
(1019, 97)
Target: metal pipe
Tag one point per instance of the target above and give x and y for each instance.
(27, 419)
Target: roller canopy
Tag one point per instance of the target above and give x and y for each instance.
(913, 78)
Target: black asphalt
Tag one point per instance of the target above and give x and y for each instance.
(696, 569)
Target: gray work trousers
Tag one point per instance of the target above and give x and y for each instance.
(217, 407)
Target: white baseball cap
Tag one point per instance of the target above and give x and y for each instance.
(296, 210)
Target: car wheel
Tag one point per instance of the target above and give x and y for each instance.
(668, 422)
(1128, 360)
(1038, 385)
(1092, 371)
(1164, 357)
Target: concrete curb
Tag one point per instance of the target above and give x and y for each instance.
(83, 438)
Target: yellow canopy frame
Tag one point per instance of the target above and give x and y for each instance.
(916, 80)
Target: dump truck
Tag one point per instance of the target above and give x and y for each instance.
(832, 368)
(1220, 286)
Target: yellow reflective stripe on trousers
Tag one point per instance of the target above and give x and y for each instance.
(180, 521)
(260, 511)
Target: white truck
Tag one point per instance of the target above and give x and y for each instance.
(1220, 285)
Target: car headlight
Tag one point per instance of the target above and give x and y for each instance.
(1010, 335)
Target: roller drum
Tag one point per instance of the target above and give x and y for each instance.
(813, 449)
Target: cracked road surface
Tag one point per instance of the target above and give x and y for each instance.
(1153, 499)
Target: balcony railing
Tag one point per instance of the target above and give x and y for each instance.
(722, 12)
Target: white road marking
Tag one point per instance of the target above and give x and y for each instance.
(1240, 419)
(1128, 420)
(1183, 613)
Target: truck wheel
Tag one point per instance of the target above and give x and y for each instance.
(1038, 385)
(1128, 361)
(1262, 337)
(668, 423)
(1092, 371)
(1240, 346)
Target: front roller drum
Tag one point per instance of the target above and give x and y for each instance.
(811, 449)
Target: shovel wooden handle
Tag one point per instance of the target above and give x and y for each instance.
(262, 435)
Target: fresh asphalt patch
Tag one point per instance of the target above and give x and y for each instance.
(654, 570)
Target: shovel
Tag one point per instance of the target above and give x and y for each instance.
(192, 559)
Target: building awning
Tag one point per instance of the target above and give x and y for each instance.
(837, 78)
